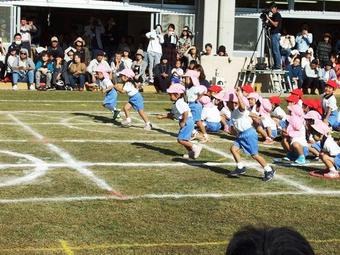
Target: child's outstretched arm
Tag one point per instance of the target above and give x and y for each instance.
(241, 105)
(165, 116)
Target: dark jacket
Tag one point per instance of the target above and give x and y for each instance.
(323, 52)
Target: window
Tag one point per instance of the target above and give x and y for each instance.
(332, 5)
(245, 34)
(5, 25)
(178, 2)
(260, 4)
(309, 5)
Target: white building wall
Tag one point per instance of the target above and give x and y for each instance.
(227, 24)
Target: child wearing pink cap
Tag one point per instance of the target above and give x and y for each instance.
(210, 115)
(294, 140)
(246, 137)
(193, 93)
(330, 150)
(106, 86)
(225, 114)
(311, 118)
(136, 100)
(254, 100)
(181, 111)
(268, 123)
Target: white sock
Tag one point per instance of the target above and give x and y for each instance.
(205, 135)
(148, 123)
(332, 169)
(267, 168)
(128, 119)
(240, 165)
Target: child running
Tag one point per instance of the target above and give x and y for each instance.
(136, 100)
(106, 86)
(247, 138)
(181, 111)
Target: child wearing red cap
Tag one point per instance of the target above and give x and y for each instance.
(278, 114)
(330, 150)
(329, 105)
(247, 89)
(299, 94)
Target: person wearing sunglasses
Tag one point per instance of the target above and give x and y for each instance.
(23, 70)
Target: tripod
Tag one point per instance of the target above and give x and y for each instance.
(265, 40)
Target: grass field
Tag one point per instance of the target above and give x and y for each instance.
(73, 182)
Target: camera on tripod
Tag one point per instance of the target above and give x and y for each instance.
(264, 14)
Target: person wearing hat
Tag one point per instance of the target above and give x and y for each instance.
(10, 60)
(44, 69)
(17, 43)
(94, 63)
(154, 49)
(275, 23)
(54, 49)
(278, 114)
(312, 78)
(79, 45)
(23, 70)
(192, 54)
(329, 150)
(162, 76)
(139, 67)
(324, 49)
(60, 79)
(184, 41)
(304, 40)
(307, 58)
(329, 105)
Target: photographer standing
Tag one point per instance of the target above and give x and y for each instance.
(154, 49)
(275, 22)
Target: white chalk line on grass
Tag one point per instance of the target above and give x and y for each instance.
(63, 199)
(150, 165)
(40, 169)
(286, 180)
(72, 163)
(72, 101)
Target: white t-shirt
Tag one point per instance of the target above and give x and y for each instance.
(127, 62)
(130, 89)
(193, 93)
(331, 147)
(330, 102)
(279, 112)
(253, 110)
(177, 72)
(211, 114)
(268, 122)
(179, 107)
(94, 64)
(225, 111)
(241, 120)
(104, 84)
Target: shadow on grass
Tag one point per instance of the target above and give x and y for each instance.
(98, 118)
(196, 163)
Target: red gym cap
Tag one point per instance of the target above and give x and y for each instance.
(297, 92)
(215, 89)
(293, 98)
(332, 84)
(248, 88)
(275, 100)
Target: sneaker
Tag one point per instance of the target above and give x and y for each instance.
(332, 175)
(194, 136)
(32, 87)
(268, 176)
(300, 160)
(197, 148)
(238, 172)
(126, 123)
(316, 159)
(268, 141)
(148, 127)
(15, 87)
(115, 114)
(190, 155)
